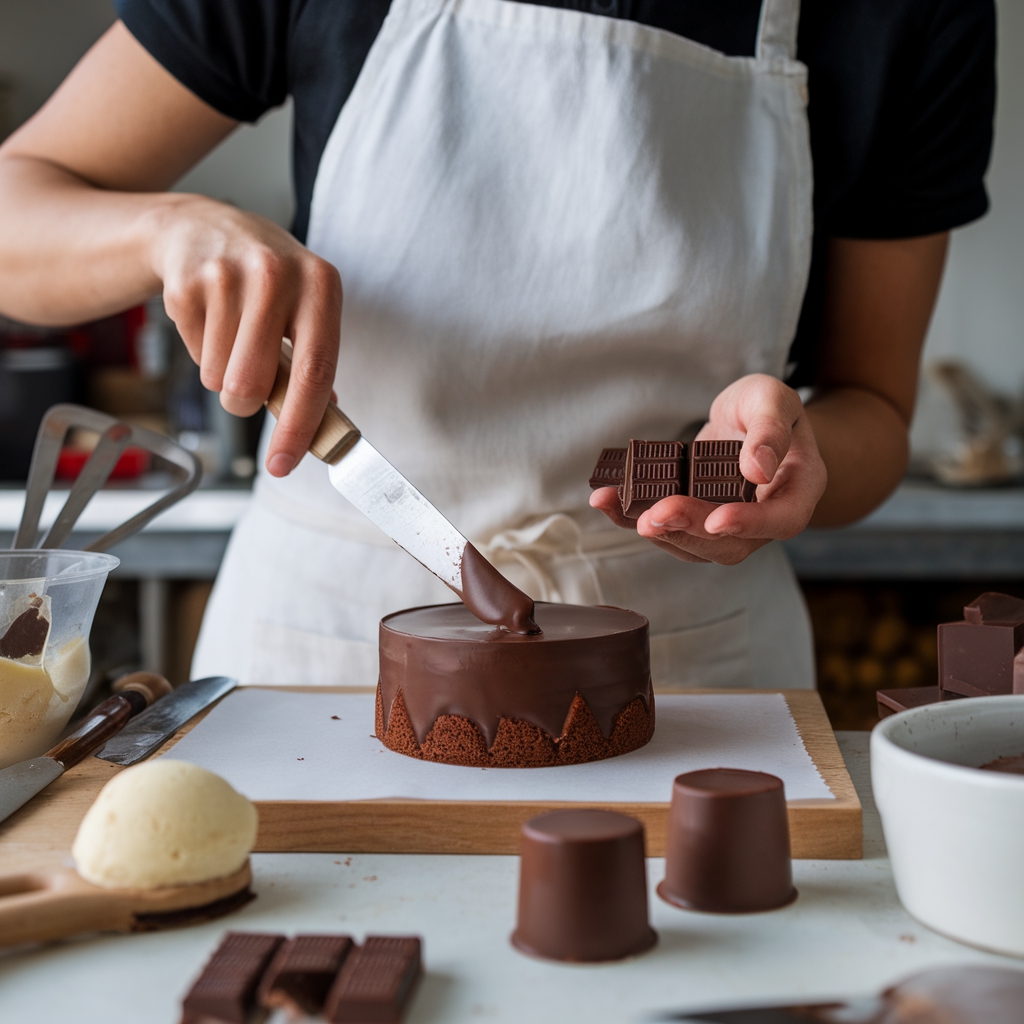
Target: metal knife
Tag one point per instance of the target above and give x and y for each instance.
(160, 722)
(359, 472)
(859, 1011)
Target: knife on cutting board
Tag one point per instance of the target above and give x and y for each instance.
(362, 475)
(156, 718)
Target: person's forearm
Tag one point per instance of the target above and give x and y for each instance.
(70, 252)
(864, 445)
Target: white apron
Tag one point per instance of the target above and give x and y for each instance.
(555, 231)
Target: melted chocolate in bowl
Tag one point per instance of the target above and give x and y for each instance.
(454, 689)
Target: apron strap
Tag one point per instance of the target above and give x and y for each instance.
(776, 34)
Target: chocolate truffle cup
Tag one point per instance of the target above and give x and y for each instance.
(728, 843)
(583, 887)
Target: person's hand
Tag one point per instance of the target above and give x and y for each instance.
(779, 454)
(235, 284)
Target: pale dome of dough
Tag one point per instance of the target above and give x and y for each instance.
(164, 823)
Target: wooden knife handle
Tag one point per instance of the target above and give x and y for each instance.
(336, 433)
(103, 722)
(151, 685)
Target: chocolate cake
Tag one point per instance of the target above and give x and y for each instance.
(456, 690)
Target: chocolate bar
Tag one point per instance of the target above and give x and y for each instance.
(715, 472)
(891, 702)
(375, 982)
(610, 468)
(653, 470)
(301, 973)
(648, 471)
(226, 990)
(977, 656)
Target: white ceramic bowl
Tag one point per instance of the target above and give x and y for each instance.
(955, 833)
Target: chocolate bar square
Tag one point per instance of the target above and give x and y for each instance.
(653, 470)
(376, 982)
(715, 472)
(610, 468)
(226, 989)
(976, 656)
(302, 972)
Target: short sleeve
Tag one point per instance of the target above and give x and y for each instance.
(926, 162)
(231, 53)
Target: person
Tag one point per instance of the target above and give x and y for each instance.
(558, 225)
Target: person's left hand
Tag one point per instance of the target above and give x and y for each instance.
(779, 454)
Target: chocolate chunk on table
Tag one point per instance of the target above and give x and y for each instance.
(976, 656)
(226, 990)
(376, 982)
(610, 468)
(891, 702)
(302, 971)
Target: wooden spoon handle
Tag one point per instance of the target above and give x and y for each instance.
(37, 908)
(336, 433)
(105, 720)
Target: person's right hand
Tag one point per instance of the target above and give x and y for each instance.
(235, 284)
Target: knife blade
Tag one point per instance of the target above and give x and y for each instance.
(360, 473)
(858, 1011)
(20, 782)
(163, 719)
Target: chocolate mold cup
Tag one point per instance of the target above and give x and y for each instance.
(728, 843)
(583, 887)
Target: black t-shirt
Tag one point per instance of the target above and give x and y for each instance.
(902, 94)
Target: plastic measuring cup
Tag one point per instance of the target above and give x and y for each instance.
(40, 689)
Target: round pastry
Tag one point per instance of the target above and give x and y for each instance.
(455, 690)
(164, 823)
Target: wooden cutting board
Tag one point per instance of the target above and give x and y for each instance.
(41, 833)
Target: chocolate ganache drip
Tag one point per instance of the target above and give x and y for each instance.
(491, 598)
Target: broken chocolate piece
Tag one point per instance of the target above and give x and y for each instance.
(302, 971)
(26, 635)
(653, 470)
(610, 470)
(376, 982)
(226, 990)
(891, 702)
(715, 472)
(976, 656)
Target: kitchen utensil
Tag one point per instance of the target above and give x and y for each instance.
(955, 834)
(360, 473)
(114, 438)
(42, 683)
(20, 782)
(158, 723)
(53, 905)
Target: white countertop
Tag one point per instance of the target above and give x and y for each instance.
(846, 934)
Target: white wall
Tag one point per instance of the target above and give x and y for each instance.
(980, 316)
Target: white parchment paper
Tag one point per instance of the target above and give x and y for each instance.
(279, 745)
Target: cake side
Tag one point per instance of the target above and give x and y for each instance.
(455, 739)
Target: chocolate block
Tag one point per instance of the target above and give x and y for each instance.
(715, 473)
(653, 470)
(376, 982)
(582, 887)
(728, 843)
(891, 702)
(610, 468)
(302, 971)
(226, 990)
(976, 656)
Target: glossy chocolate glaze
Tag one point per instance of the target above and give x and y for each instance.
(491, 598)
(446, 662)
(583, 887)
(728, 844)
